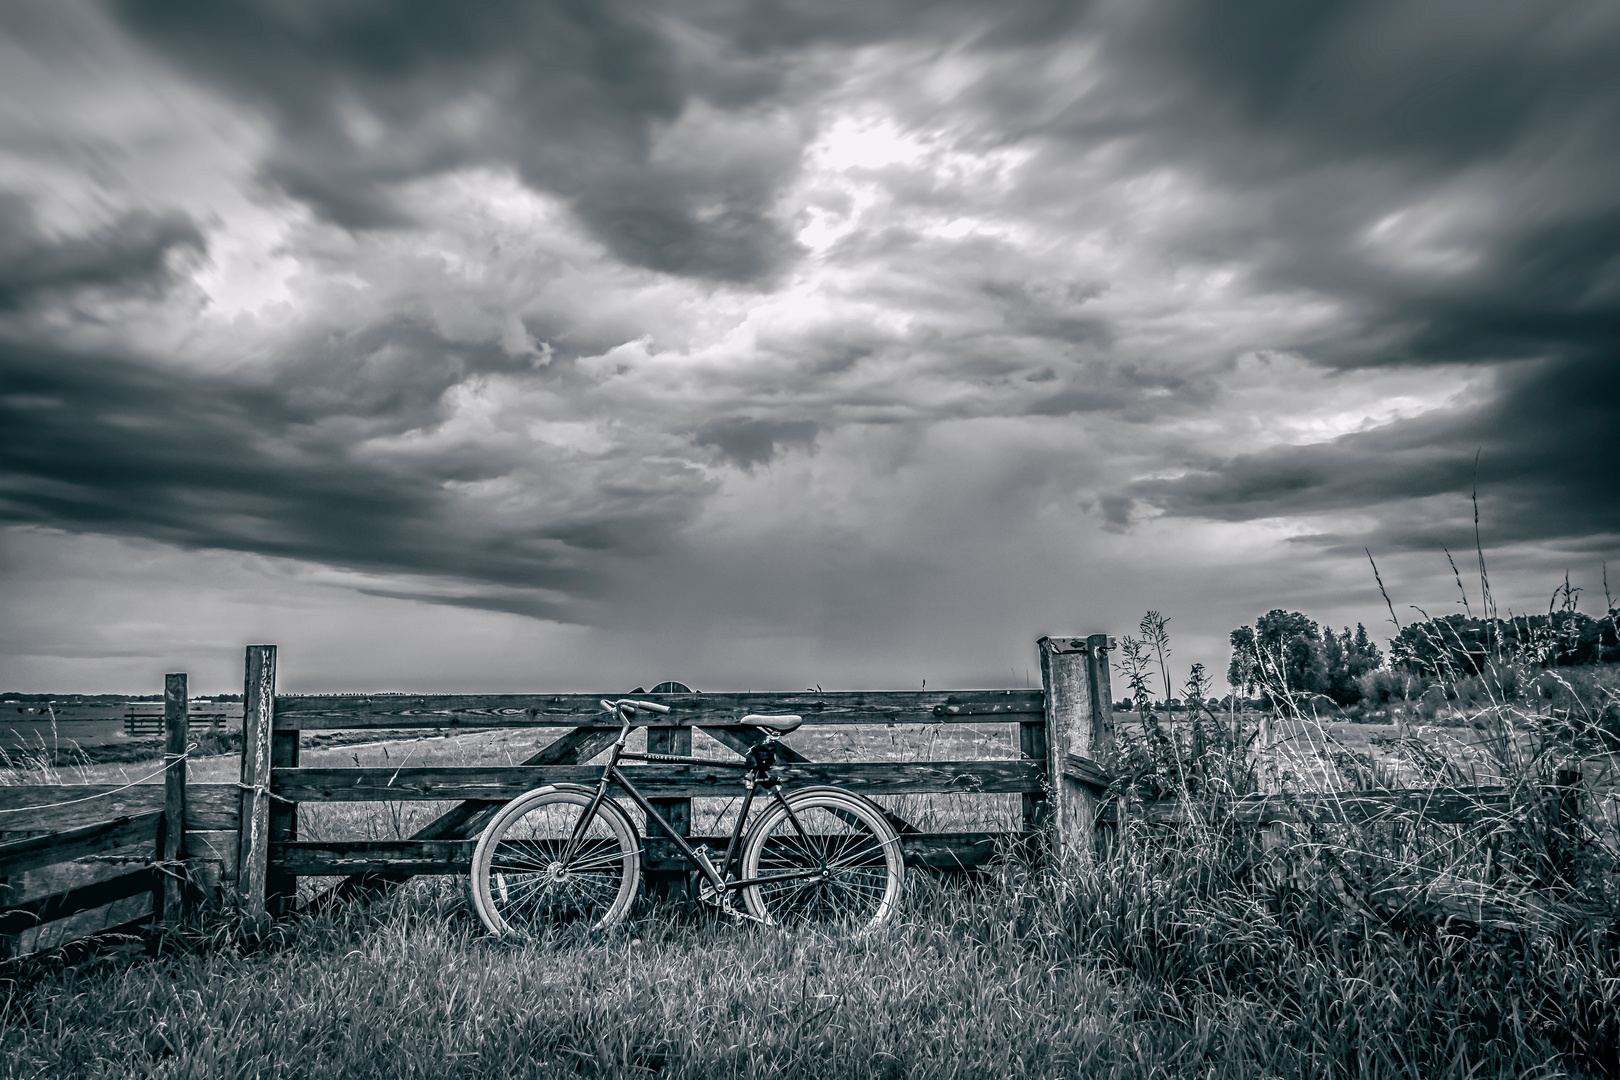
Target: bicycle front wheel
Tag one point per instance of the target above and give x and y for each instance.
(832, 863)
(526, 876)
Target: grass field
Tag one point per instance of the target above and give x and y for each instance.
(1155, 964)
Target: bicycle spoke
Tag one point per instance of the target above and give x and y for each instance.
(535, 885)
(834, 859)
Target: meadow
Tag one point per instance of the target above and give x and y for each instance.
(1332, 949)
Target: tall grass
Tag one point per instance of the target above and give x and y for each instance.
(1396, 944)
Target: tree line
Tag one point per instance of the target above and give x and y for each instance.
(1288, 651)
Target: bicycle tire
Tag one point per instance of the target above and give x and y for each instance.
(519, 884)
(856, 849)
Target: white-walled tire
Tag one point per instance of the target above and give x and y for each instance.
(850, 853)
(520, 883)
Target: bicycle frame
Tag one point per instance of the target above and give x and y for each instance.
(759, 776)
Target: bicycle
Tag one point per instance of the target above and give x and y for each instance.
(567, 854)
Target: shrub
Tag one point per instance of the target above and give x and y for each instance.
(1386, 685)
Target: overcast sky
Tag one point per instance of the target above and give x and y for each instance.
(577, 345)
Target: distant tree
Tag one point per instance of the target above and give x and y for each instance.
(1244, 665)
(1454, 646)
(1366, 650)
(1286, 651)
(1348, 657)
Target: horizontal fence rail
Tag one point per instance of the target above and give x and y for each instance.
(510, 781)
(31, 853)
(22, 917)
(687, 710)
(57, 807)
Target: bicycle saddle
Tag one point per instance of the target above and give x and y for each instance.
(782, 725)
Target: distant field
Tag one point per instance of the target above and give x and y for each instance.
(30, 726)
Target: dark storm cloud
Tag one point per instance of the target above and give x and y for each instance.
(99, 443)
(131, 254)
(1447, 176)
(1542, 473)
(571, 94)
(1442, 179)
(749, 442)
(1320, 119)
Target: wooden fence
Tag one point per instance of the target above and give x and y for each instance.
(242, 838)
(68, 849)
(147, 717)
(1070, 717)
(144, 718)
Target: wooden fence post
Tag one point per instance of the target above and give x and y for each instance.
(1100, 698)
(1032, 744)
(670, 884)
(176, 729)
(281, 888)
(1566, 823)
(1079, 723)
(258, 714)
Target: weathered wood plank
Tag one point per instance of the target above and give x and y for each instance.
(508, 782)
(211, 855)
(1086, 771)
(1019, 709)
(936, 851)
(408, 857)
(688, 710)
(1450, 806)
(1074, 672)
(169, 901)
(57, 807)
(1032, 745)
(676, 741)
(31, 853)
(395, 858)
(16, 919)
(281, 889)
(258, 698)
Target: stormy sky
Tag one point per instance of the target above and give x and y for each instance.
(575, 345)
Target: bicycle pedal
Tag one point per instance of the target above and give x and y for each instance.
(741, 914)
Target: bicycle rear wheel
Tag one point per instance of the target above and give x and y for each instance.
(843, 871)
(521, 882)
